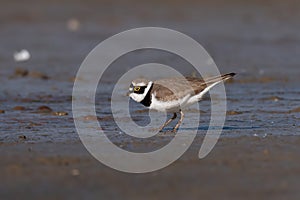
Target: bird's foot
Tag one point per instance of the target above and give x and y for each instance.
(174, 130)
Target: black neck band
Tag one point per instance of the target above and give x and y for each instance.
(147, 100)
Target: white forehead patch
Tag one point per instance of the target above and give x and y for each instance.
(140, 82)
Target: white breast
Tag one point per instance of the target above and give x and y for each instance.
(169, 106)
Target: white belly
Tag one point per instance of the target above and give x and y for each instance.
(169, 106)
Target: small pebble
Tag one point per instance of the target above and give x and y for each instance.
(19, 108)
(22, 137)
(265, 135)
(295, 110)
(73, 24)
(234, 113)
(31, 124)
(272, 98)
(266, 152)
(2, 111)
(35, 74)
(21, 72)
(60, 113)
(44, 109)
(89, 118)
(22, 55)
(75, 172)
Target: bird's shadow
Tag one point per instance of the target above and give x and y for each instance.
(205, 128)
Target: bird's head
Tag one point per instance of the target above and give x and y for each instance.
(139, 88)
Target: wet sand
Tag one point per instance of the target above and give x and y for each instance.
(257, 156)
(237, 168)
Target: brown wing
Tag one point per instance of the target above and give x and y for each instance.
(165, 89)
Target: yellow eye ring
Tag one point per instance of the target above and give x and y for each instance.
(136, 89)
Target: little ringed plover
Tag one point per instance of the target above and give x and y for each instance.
(172, 94)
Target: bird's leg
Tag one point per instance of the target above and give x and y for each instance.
(179, 122)
(168, 122)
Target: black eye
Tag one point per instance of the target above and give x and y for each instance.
(136, 89)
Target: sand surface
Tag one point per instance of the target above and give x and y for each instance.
(257, 156)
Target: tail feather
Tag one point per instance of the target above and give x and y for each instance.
(229, 75)
(218, 78)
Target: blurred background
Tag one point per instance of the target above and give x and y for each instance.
(245, 36)
(41, 155)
